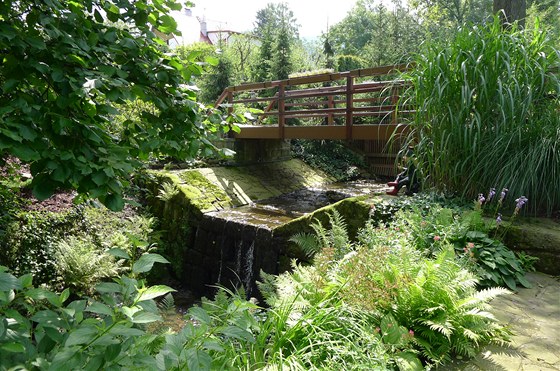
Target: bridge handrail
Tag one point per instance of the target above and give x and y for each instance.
(374, 98)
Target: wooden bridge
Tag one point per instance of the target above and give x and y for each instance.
(353, 105)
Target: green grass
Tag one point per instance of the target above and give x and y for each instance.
(487, 114)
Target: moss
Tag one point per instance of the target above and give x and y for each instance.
(538, 237)
(355, 211)
(203, 194)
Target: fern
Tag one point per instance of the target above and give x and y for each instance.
(307, 242)
(168, 191)
(167, 304)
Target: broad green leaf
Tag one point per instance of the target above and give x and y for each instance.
(99, 308)
(42, 294)
(81, 335)
(126, 331)
(26, 280)
(408, 362)
(198, 359)
(112, 351)
(108, 287)
(114, 202)
(43, 190)
(145, 317)
(237, 333)
(213, 61)
(523, 281)
(13, 347)
(200, 315)
(153, 292)
(510, 282)
(118, 253)
(146, 262)
(9, 282)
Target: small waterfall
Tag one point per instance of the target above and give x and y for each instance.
(232, 246)
(248, 273)
(229, 251)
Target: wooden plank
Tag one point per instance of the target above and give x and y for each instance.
(315, 132)
(281, 109)
(258, 132)
(359, 132)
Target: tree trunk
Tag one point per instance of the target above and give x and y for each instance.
(513, 10)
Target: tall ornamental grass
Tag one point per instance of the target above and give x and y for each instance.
(488, 114)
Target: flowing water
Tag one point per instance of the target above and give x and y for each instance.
(243, 236)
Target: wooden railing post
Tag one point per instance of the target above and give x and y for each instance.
(230, 101)
(349, 106)
(330, 117)
(281, 110)
(394, 101)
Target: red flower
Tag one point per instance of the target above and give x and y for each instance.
(437, 238)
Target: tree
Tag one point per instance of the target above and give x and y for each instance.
(442, 18)
(276, 28)
(373, 35)
(511, 11)
(241, 50)
(66, 66)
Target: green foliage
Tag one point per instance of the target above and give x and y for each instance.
(434, 299)
(432, 229)
(29, 242)
(80, 264)
(494, 263)
(371, 34)
(61, 85)
(52, 245)
(39, 329)
(330, 156)
(276, 28)
(486, 107)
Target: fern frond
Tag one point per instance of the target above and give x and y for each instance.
(168, 191)
(267, 287)
(167, 304)
(490, 293)
(307, 242)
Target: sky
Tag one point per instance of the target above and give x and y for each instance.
(239, 15)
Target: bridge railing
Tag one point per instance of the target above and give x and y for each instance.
(357, 104)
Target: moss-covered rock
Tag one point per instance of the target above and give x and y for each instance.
(538, 237)
(356, 212)
(194, 193)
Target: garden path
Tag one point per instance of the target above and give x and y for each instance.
(534, 317)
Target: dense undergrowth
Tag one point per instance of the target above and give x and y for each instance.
(408, 294)
(330, 156)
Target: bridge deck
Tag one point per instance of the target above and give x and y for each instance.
(357, 132)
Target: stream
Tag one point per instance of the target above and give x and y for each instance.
(242, 238)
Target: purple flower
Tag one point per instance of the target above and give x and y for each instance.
(481, 199)
(503, 195)
(491, 195)
(499, 219)
(519, 204)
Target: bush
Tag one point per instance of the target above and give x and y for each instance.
(330, 156)
(486, 107)
(433, 298)
(35, 241)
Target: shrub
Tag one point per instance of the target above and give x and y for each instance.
(436, 297)
(80, 264)
(330, 156)
(487, 106)
(41, 330)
